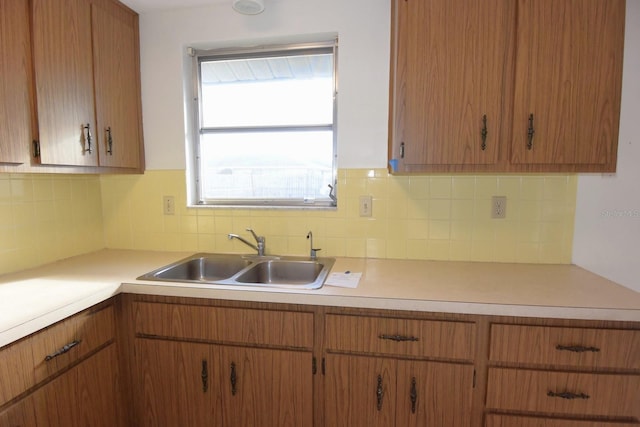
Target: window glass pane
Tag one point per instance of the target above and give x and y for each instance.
(284, 90)
(267, 165)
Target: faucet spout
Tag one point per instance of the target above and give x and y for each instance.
(260, 240)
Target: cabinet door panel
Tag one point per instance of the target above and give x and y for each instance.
(568, 75)
(21, 414)
(450, 73)
(442, 393)
(86, 395)
(494, 420)
(172, 390)
(97, 391)
(272, 387)
(570, 393)
(15, 82)
(64, 81)
(117, 84)
(351, 391)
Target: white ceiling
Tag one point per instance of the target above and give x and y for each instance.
(142, 6)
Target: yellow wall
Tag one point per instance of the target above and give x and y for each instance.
(44, 218)
(439, 217)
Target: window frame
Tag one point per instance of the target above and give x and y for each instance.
(194, 173)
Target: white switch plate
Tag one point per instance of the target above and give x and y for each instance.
(168, 205)
(365, 206)
(498, 207)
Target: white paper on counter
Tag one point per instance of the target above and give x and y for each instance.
(344, 280)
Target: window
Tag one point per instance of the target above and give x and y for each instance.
(266, 132)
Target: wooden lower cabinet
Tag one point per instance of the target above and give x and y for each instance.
(176, 384)
(494, 420)
(360, 391)
(198, 384)
(376, 391)
(86, 395)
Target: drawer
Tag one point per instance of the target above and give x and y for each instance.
(406, 337)
(559, 346)
(493, 420)
(31, 360)
(225, 324)
(567, 393)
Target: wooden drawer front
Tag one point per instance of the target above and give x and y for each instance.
(494, 420)
(24, 364)
(580, 347)
(230, 325)
(593, 394)
(429, 338)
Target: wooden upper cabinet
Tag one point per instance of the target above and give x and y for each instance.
(64, 82)
(568, 76)
(117, 86)
(15, 82)
(448, 80)
(549, 66)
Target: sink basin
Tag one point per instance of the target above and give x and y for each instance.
(282, 271)
(239, 270)
(200, 268)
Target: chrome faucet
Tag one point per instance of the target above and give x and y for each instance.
(313, 252)
(259, 247)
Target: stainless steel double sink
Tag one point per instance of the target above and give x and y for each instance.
(246, 270)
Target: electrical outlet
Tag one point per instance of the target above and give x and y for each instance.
(365, 205)
(498, 207)
(168, 205)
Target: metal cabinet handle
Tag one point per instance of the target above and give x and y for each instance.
(62, 350)
(397, 338)
(205, 376)
(577, 348)
(413, 395)
(484, 133)
(88, 138)
(568, 395)
(233, 379)
(109, 141)
(530, 132)
(379, 393)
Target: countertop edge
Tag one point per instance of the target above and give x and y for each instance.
(430, 287)
(47, 319)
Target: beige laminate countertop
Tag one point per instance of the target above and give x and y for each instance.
(39, 297)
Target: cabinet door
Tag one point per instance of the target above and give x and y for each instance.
(20, 414)
(449, 74)
(179, 384)
(86, 395)
(15, 82)
(265, 387)
(117, 85)
(64, 81)
(495, 420)
(568, 76)
(431, 393)
(360, 391)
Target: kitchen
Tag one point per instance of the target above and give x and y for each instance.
(52, 217)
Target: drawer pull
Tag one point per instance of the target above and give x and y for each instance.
(413, 394)
(577, 348)
(63, 350)
(568, 395)
(379, 393)
(233, 379)
(397, 338)
(205, 376)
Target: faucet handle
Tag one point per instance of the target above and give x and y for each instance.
(313, 252)
(255, 236)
